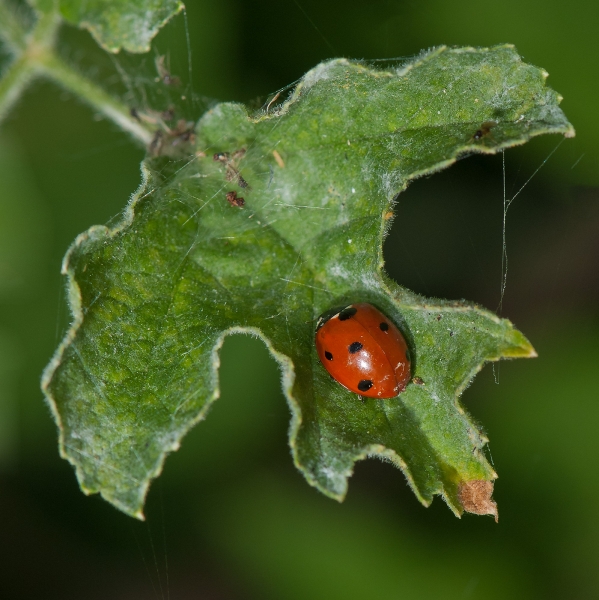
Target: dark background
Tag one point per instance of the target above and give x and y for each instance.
(230, 518)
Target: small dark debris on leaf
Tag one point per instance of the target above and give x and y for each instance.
(153, 117)
(475, 497)
(166, 141)
(168, 114)
(155, 146)
(183, 132)
(484, 130)
(241, 181)
(231, 163)
(417, 380)
(451, 334)
(234, 200)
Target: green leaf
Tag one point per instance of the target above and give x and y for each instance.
(116, 24)
(154, 297)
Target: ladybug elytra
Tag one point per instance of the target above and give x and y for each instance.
(364, 351)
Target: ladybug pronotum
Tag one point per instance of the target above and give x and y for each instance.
(364, 351)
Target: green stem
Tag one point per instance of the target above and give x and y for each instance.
(56, 69)
(12, 30)
(14, 80)
(28, 48)
(35, 55)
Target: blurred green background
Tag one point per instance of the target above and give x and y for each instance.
(231, 518)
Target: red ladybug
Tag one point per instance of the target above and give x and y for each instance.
(364, 351)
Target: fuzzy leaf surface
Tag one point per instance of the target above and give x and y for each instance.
(154, 297)
(124, 24)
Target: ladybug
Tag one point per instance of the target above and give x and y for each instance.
(364, 351)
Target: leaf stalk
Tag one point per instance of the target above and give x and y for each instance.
(54, 68)
(12, 31)
(35, 55)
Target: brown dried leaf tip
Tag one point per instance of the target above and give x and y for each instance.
(475, 497)
(234, 200)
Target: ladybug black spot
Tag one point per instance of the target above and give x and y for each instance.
(384, 326)
(347, 313)
(364, 385)
(355, 347)
(328, 355)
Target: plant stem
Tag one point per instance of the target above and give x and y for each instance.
(12, 31)
(27, 47)
(56, 69)
(35, 55)
(15, 78)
